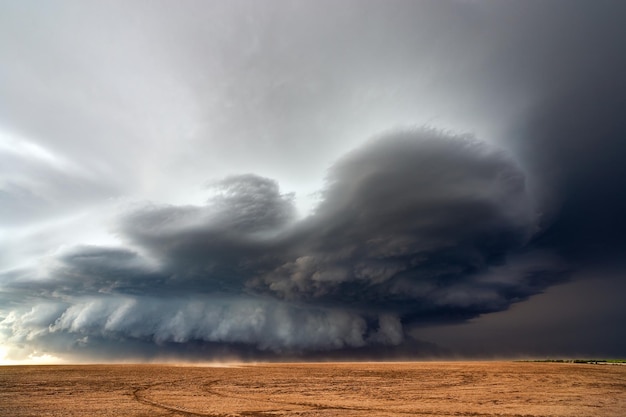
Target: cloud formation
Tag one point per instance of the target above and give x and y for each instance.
(416, 227)
(413, 229)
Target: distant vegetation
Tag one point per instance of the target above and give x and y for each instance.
(587, 361)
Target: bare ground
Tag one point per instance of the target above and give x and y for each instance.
(508, 389)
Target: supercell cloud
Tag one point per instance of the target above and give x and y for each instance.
(312, 179)
(415, 227)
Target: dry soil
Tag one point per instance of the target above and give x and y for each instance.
(307, 390)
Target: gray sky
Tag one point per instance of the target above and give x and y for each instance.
(301, 179)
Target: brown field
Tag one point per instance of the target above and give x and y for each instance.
(337, 389)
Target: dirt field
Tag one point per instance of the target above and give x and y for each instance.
(346, 389)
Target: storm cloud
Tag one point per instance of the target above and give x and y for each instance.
(269, 179)
(416, 227)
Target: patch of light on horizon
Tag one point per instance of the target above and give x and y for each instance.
(34, 358)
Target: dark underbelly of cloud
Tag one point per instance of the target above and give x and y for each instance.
(417, 227)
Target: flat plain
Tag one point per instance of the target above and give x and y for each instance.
(440, 389)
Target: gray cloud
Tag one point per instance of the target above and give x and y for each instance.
(411, 212)
(416, 227)
(570, 136)
(148, 101)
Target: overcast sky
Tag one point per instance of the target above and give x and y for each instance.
(312, 179)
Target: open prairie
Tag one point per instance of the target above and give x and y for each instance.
(321, 389)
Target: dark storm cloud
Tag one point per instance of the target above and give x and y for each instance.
(572, 136)
(413, 229)
(218, 245)
(565, 61)
(416, 227)
(582, 138)
(414, 224)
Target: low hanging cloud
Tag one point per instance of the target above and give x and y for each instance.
(411, 213)
(416, 227)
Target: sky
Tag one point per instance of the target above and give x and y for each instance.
(312, 180)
